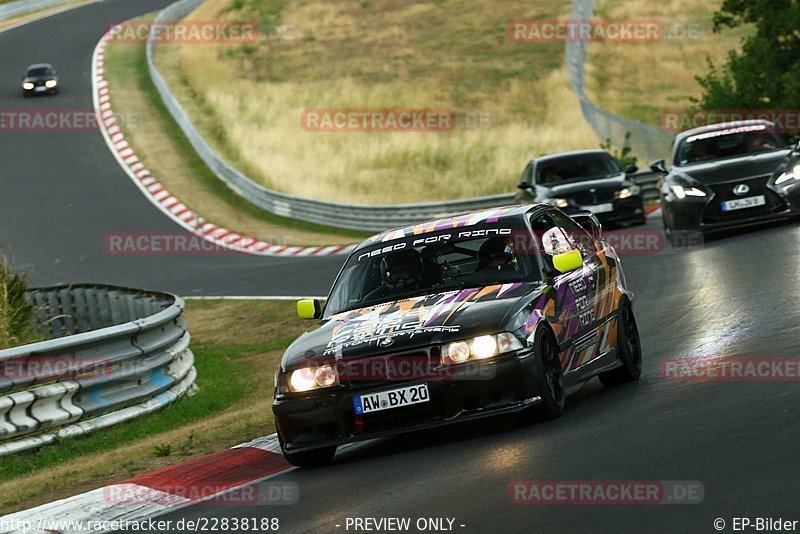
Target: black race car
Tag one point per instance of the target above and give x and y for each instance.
(726, 175)
(456, 319)
(40, 79)
(584, 180)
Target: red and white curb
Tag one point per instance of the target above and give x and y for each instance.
(653, 211)
(159, 196)
(208, 478)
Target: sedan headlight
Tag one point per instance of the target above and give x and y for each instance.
(786, 176)
(683, 192)
(480, 348)
(557, 202)
(627, 192)
(309, 378)
(50, 84)
(27, 86)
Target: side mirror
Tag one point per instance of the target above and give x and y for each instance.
(309, 309)
(524, 185)
(568, 261)
(659, 167)
(590, 223)
(630, 169)
(796, 147)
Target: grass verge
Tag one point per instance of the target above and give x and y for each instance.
(642, 80)
(237, 346)
(248, 99)
(163, 149)
(16, 314)
(30, 17)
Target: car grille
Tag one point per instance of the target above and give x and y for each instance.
(758, 186)
(587, 198)
(366, 371)
(38, 83)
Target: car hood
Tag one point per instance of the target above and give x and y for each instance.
(612, 183)
(38, 78)
(734, 169)
(410, 323)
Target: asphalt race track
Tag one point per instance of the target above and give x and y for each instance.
(735, 296)
(63, 191)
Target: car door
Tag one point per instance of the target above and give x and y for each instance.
(574, 316)
(602, 279)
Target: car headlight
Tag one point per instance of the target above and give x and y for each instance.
(27, 86)
(50, 84)
(683, 192)
(786, 176)
(480, 348)
(309, 378)
(557, 202)
(630, 191)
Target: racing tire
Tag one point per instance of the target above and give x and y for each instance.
(313, 458)
(550, 375)
(629, 349)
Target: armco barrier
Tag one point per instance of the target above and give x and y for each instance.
(115, 353)
(358, 217)
(23, 7)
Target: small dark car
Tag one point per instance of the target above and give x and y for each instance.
(727, 175)
(40, 79)
(457, 319)
(584, 180)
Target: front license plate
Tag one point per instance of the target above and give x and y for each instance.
(742, 203)
(600, 208)
(40, 89)
(394, 398)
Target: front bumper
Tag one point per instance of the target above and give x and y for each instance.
(328, 418)
(704, 213)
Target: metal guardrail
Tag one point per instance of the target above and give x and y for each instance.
(646, 141)
(356, 217)
(23, 7)
(115, 353)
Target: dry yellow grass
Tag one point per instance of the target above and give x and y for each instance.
(389, 54)
(642, 80)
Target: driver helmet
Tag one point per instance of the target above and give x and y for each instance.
(495, 253)
(402, 269)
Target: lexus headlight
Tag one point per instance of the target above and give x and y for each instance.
(557, 202)
(309, 378)
(683, 192)
(480, 348)
(786, 176)
(27, 86)
(630, 191)
(50, 84)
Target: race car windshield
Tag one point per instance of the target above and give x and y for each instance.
(576, 168)
(391, 272)
(731, 143)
